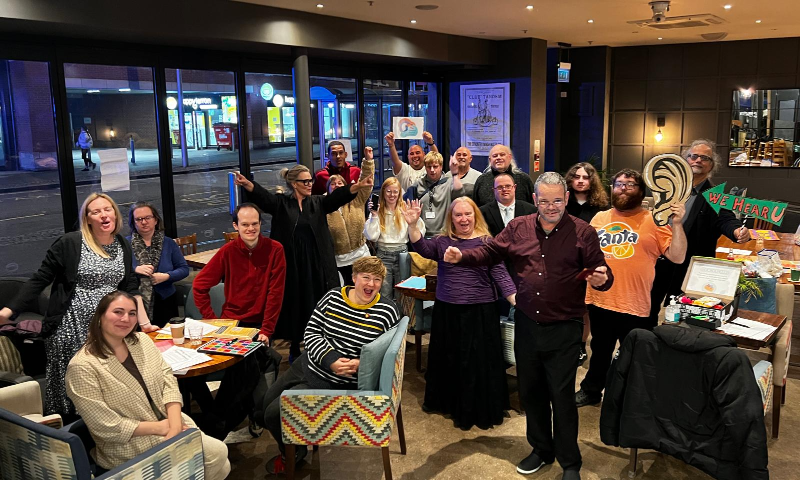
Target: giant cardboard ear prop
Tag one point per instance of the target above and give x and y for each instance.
(670, 178)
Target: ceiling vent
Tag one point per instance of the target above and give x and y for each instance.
(685, 21)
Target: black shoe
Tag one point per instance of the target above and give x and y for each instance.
(253, 427)
(94, 165)
(85, 169)
(532, 463)
(582, 398)
(571, 475)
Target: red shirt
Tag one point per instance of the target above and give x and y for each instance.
(254, 282)
(351, 173)
(545, 265)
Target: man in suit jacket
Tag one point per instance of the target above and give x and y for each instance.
(702, 225)
(505, 207)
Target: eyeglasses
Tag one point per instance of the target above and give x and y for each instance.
(143, 219)
(628, 185)
(504, 187)
(555, 203)
(695, 156)
(305, 181)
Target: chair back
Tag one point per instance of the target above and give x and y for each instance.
(10, 286)
(187, 244)
(391, 378)
(405, 267)
(759, 224)
(217, 294)
(230, 236)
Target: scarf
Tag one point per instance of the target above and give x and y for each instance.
(147, 256)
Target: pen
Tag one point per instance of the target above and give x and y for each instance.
(738, 324)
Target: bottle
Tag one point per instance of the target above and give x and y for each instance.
(730, 254)
(672, 314)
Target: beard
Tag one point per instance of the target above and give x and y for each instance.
(625, 201)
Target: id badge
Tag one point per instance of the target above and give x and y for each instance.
(430, 214)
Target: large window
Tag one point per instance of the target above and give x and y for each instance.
(30, 195)
(333, 116)
(270, 118)
(204, 149)
(383, 100)
(422, 102)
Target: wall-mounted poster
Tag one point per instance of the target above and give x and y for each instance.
(485, 116)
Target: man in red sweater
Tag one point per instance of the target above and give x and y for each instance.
(254, 270)
(337, 165)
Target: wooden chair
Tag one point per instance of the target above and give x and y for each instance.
(187, 244)
(759, 224)
(779, 152)
(230, 236)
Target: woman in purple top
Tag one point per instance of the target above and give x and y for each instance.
(466, 371)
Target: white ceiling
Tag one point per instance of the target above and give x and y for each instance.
(564, 20)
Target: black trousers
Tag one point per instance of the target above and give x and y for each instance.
(608, 327)
(86, 155)
(547, 361)
(268, 412)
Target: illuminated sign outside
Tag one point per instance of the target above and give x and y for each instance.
(195, 103)
(563, 75)
(267, 91)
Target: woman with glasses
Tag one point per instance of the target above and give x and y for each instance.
(81, 267)
(387, 229)
(466, 372)
(299, 223)
(158, 261)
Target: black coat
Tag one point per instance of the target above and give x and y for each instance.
(285, 213)
(491, 213)
(60, 268)
(585, 212)
(689, 393)
(483, 192)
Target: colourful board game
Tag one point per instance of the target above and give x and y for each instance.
(226, 346)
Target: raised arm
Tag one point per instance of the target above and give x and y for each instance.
(397, 164)
(428, 138)
(263, 198)
(676, 252)
(367, 171)
(457, 186)
(411, 215)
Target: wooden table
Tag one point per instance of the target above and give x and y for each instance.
(776, 321)
(785, 248)
(200, 259)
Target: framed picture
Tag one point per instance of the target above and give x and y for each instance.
(485, 116)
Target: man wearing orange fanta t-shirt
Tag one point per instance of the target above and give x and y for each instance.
(632, 243)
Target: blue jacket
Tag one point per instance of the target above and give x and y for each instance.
(172, 263)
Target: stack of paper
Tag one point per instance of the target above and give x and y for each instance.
(180, 359)
(742, 327)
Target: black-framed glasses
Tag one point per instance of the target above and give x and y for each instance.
(695, 156)
(504, 187)
(144, 219)
(626, 185)
(307, 181)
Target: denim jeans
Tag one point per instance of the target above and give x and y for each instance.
(391, 260)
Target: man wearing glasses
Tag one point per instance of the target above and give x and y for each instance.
(632, 243)
(702, 225)
(554, 256)
(506, 207)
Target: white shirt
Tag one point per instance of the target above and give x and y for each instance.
(407, 176)
(392, 237)
(507, 213)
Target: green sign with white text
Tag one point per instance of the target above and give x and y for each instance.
(773, 212)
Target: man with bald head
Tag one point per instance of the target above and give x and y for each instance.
(501, 160)
(408, 173)
(466, 173)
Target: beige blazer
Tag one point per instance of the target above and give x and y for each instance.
(112, 403)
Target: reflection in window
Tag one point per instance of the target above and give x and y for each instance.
(333, 115)
(764, 128)
(383, 100)
(270, 111)
(422, 103)
(112, 117)
(30, 194)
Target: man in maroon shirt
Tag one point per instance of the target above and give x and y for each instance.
(337, 165)
(551, 253)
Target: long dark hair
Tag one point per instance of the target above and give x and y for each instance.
(96, 344)
(597, 194)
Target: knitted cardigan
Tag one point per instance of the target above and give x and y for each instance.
(347, 223)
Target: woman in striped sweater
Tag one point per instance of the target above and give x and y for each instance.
(344, 320)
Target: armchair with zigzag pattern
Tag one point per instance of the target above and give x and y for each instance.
(349, 417)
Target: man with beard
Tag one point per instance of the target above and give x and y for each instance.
(702, 225)
(632, 243)
(435, 192)
(466, 174)
(408, 173)
(501, 160)
(337, 165)
(548, 250)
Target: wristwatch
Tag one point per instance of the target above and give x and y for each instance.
(430, 144)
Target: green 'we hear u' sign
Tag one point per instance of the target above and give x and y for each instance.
(773, 212)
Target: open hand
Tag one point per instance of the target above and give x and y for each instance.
(367, 182)
(412, 212)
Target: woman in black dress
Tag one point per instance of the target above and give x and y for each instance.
(299, 223)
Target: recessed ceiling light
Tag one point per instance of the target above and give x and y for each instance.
(529, 7)
(413, 21)
(319, 5)
(590, 21)
(758, 21)
(727, 7)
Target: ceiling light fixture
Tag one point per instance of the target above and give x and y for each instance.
(727, 7)
(529, 7)
(661, 38)
(319, 5)
(758, 21)
(413, 21)
(590, 21)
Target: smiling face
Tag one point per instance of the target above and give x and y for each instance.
(702, 165)
(416, 157)
(391, 193)
(249, 226)
(367, 285)
(463, 219)
(581, 183)
(101, 217)
(500, 158)
(464, 158)
(335, 183)
(119, 319)
(626, 193)
(303, 184)
(504, 189)
(337, 155)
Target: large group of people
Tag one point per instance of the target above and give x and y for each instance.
(549, 248)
